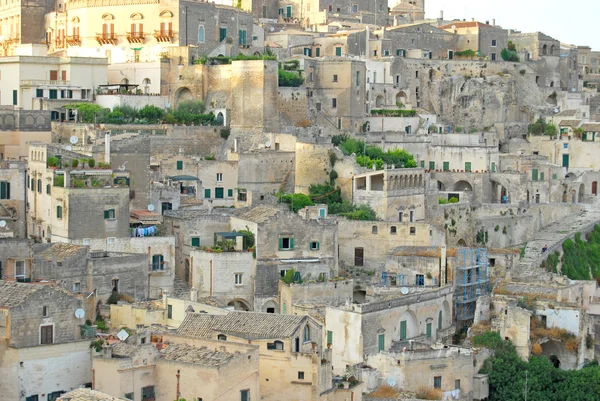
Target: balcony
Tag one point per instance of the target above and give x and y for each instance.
(159, 268)
(164, 35)
(60, 43)
(10, 38)
(106, 38)
(74, 40)
(44, 82)
(136, 37)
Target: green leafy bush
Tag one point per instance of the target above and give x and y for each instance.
(508, 55)
(289, 79)
(367, 155)
(394, 113)
(466, 53)
(296, 201)
(74, 163)
(91, 163)
(540, 127)
(53, 161)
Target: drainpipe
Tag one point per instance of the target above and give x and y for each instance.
(178, 393)
(211, 277)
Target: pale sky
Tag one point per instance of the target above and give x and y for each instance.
(570, 21)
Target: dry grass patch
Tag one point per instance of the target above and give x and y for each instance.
(384, 392)
(429, 394)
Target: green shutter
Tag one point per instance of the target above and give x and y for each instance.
(534, 174)
(541, 176)
(428, 330)
(493, 167)
(329, 337)
(4, 190)
(318, 52)
(196, 241)
(440, 320)
(230, 193)
(280, 244)
(219, 193)
(338, 51)
(554, 176)
(179, 165)
(467, 166)
(292, 243)
(446, 166)
(403, 330)
(318, 246)
(59, 212)
(431, 165)
(422, 163)
(15, 98)
(107, 214)
(207, 193)
(565, 162)
(381, 342)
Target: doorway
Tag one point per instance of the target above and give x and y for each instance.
(359, 254)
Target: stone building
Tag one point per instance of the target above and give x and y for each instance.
(50, 83)
(15, 253)
(361, 330)
(409, 10)
(285, 241)
(484, 39)
(23, 23)
(143, 31)
(534, 45)
(21, 127)
(86, 394)
(13, 178)
(42, 352)
(293, 358)
(164, 367)
(394, 194)
(436, 43)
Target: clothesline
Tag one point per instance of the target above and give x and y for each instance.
(144, 231)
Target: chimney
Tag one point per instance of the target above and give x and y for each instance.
(194, 294)
(442, 15)
(165, 296)
(67, 180)
(487, 21)
(107, 147)
(473, 19)
(367, 50)
(106, 351)
(494, 22)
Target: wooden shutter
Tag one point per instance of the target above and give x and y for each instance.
(280, 244)
(104, 30)
(170, 27)
(133, 29)
(64, 75)
(112, 30)
(46, 334)
(53, 75)
(141, 33)
(107, 214)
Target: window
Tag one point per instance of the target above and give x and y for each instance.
(207, 193)
(238, 278)
(431, 165)
(53, 94)
(534, 174)
(308, 52)
(314, 246)
(222, 34)
(333, 103)
(457, 384)
(381, 342)
(494, 43)
(338, 51)
(109, 214)
(420, 280)
(408, 129)
(329, 337)
(468, 167)
(318, 52)
(148, 393)
(222, 337)
(179, 165)
(32, 398)
(354, 8)
(416, 74)
(437, 382)
(541, 176)
(115, 285)
(446, 166)
(393, 230)
(277, 345)
(428, 330)
(306, 333)
(230, 193)
(4, 190)
(403, 330)
(219, 193)
(219, 177)
(169, 311)
(128, 396)
(77, 287)
(46, 335)
(196, 242)
(242, 195)
(565, 146)
(15, 98)
(281, 11)
(245, 395)
(54, 395)
(413, 230)
(493, 167)
(440, 323)
(243, 37)
(493, 58)
(39, 186)
(59, 211)
(39, 93)
(20, 270)
(374, 230)
(201, 33)
(157, 262)
(300, 375)
(286, 243)
(335, 78)
(48, 189)
(288, 11)
(45, 311)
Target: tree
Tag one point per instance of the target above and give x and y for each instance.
(296, 201)
(508, 55)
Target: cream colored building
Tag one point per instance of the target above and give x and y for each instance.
(49, 83)
(164, 367)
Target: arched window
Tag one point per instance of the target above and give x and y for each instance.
(201, 34)
(393, 230)
(306, 333)
(75, 27)
(108, 27)
(374, 230)
(440, 320)
(279, 345)
(222, 337)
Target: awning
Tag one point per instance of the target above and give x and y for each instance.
(184, 178)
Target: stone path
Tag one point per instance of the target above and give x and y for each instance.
(181, 289)
(553, 236)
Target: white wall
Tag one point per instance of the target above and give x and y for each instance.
(136, 73)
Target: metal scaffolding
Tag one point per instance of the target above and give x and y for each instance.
(472, 281)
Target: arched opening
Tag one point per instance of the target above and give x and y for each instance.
(409, 325)
(125, 81)
(463, 185)
(527, 196)
(552, 49)
(544, 50)
(222, 337)
(270, 307)
(146, 84)
(570, 176)
(306, 333)
(564, 197)
(431, 75)
(379, 101)
(220, 119)
(554, 361)
(360, 296)
(401, 98)
(552, 99)
(441, 187)
(239, 305)
(183, 94)
(462, 243)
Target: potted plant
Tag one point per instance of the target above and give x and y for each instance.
(314, 344)
(328, 345)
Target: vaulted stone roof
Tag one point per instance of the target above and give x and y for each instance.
(14, 294)
(86, 394)
(260, 214)
(196, 355)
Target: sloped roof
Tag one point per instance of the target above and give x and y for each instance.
(466, 24)
(260, 214)
(59, 251)
(122, 349)
(13, 294)
(242, 324)
(591, 127)
(86, 394)
(196, 355)
(406, 7)
(567, 113)
(569, 123)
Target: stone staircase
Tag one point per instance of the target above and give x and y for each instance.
(181, 289)
(553, 236)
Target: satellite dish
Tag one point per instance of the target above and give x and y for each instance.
(123, 335)
(272, 29)
(151, 207)
(391, 382)
(404, 290)
(79, 313)
(74, 140)
(2, 223)
(556, 110)
(68, 147)
(268, 144)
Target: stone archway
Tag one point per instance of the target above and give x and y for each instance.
(270, 307)
(463, 185)
(462, 243)
(412, 325)
(183, 94)
(401, 98)
(239, 304)
(441, 187)
(379, 101)
(220, 119)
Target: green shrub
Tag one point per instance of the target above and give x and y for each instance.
(59, 180)
(453, 200)
(508, 55)
(466, 53)
(296, 201)
(442, 201)
(540, 127)
(394, 113)
(289, 79)
(91, 163)
(225, 132)
(74, 163)
(288, 278)
(53, 161)
(458, 129)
